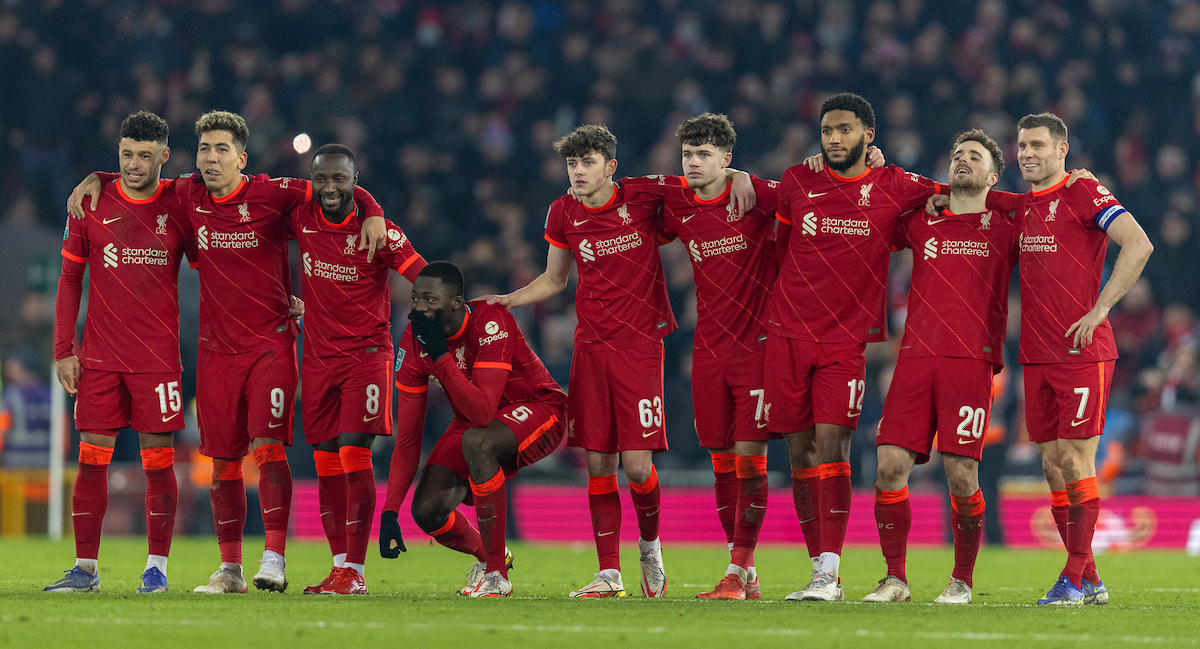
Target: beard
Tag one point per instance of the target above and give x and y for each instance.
(855, 155)
(970, 185)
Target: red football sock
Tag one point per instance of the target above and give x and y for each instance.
(647, 501)
(491, 513)
(726, 487)
(807, 496)
(966, 517)
(360, 501)
(751, 506)
(89, 500)
(457, 534)
(604, 503)
(893, 517)
(835, 505)
(1060, 505)
(274, 494)
(228, 498)
(162, 494)
(1083, 514)
(331, 499)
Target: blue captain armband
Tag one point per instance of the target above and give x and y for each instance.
(1104, 218)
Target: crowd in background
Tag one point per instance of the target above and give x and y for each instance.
(452, 107)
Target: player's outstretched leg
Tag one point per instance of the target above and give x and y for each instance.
(275, 500)
(89, 501)
(228, 499)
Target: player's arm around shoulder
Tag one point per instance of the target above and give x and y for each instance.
(558, 263)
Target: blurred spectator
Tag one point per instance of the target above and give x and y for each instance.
(26, 398)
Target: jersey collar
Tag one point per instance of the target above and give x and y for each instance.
(466, 319)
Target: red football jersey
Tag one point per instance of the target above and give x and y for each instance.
(134, 248)
(733, 262)
(832, 285)
(1063, 243)
(621, 298)
(958, 295)
(489, 339)
(347, 304)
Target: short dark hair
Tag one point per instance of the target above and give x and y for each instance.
(448, 273)
(853, 103)
(586, 139)
(708, 128)
(335, 149)
(1057, 127)
(145, 126)
(977, 135)
(222, 120)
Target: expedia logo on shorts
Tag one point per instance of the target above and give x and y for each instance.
(206, 239)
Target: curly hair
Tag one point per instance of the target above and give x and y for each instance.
(221, 120)
(708, 128)
(586, 139)
(850, 102)
(145, 126)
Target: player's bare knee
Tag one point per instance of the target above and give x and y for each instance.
(429, 516)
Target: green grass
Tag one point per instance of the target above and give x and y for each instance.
(412, 603)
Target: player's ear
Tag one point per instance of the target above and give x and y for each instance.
(610, 167)
(870, 134)
(166, 155)
(727, 158)
(243, 157)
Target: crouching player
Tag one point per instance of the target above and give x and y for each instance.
(509, 413)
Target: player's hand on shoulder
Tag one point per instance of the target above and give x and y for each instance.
(389, 530)
(1080, 174)
(814, 162)
(68, 371)
(741, 192)
(875, 157)
(89, 187)
(502, 300)
(936, 204)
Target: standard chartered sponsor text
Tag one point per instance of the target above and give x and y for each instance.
(1039, 243)
(618, 244)
(144, 256)
(861, 227)
(976, 248)
(723, 246)
(218, 239)
(335, 272)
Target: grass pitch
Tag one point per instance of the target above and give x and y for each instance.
(1155, 597)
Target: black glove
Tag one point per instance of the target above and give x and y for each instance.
(429, 333)
(389, 530)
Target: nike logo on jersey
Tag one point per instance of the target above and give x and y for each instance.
(107, 221)
(645, 435)
(203, 211)
(686, 219)
(273, 509)
(932, 222)
(1075, 424)
(369, 419)
(816, 194)
(305, 230)
(579, 223)
(964, 440)
(851, 413)
(167, 418)
(760, 424)
(275, 424)
(605, 533)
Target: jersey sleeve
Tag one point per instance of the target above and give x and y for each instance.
(367, 204)
(410, 370)
(1005, 202)
(651, 188)
(901, 238)
(70, 288)
(554, 227)
(410, 425)
(1106, 207)
(915, 189)
(766, 194)
(400, 255)
(285, 194)
(783, 208)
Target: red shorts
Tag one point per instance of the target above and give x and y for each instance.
(537, 425)
(809, 383)
(935, 395)
(728, 399)
(1066, 400)
(147, 403)
(347, 395)
(243, 396)
(615, 399)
